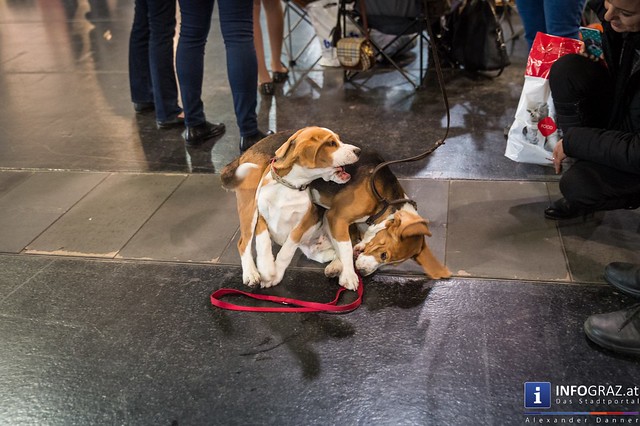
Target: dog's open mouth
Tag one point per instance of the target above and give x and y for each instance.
(341, 174)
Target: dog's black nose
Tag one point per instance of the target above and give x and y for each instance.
(356, 151)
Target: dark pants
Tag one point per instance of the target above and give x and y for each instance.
(236, 24)
(152, 77)
(556, 17)
(582, 94)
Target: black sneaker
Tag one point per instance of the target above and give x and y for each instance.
(197, 135)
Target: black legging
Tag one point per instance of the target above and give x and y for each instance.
(582, 93)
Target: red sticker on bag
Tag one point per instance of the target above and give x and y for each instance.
(547, 126)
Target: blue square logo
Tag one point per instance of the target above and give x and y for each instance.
(537, 395)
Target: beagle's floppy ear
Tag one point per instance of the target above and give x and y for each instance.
(411, 225)
(392, 226)
(282, 151)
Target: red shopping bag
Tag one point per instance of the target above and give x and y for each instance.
(544, 52)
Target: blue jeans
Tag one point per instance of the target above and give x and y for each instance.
(152, 76)
(555, 17)
(236, 23)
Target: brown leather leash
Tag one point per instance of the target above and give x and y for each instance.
(385, 204)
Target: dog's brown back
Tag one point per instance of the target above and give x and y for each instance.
(261, 154)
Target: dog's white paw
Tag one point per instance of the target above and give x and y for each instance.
(251, 277)
(275, 280)
(349, 280)
(266, 284)
(267, 273)
(333, 269)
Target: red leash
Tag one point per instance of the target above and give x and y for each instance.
(297, 305)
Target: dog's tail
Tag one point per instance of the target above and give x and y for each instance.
(234, 173)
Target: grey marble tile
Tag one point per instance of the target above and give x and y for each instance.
(497, 229)
(106, 219)
(139, 343)
(591, 243)
(10, 179)
(37, 202)
(17, 271)
(195, 224)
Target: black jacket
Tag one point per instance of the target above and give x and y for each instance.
(619, 145)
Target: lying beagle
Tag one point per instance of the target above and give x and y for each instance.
(389, 236)
(274, 201)
(393, 237)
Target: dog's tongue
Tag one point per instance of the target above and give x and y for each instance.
(342, 174)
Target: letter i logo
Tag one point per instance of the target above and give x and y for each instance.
(537, 395)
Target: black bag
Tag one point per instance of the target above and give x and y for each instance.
(471, 37)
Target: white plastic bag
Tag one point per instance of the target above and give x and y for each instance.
(324, 15)
(534, 133)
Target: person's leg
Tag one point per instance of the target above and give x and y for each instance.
(236, 23)
(590, 186)
(275, 26)
(194, 29)
(263, 73)
(162, 23)
(562, 17)
(581, 91)
(533, 19)
(139, 73)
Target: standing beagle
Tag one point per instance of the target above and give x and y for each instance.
(281, 209)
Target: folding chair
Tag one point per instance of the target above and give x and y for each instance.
(295, 16)
(398, 18)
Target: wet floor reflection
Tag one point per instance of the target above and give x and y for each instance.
(67, 103)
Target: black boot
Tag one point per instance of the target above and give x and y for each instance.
(247, 142)
(624, 276)
(617, 331)
(561, 209)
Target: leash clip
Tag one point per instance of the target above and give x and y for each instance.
(372, 219)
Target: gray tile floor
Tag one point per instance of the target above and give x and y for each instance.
(481, 229)
(113, 235)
